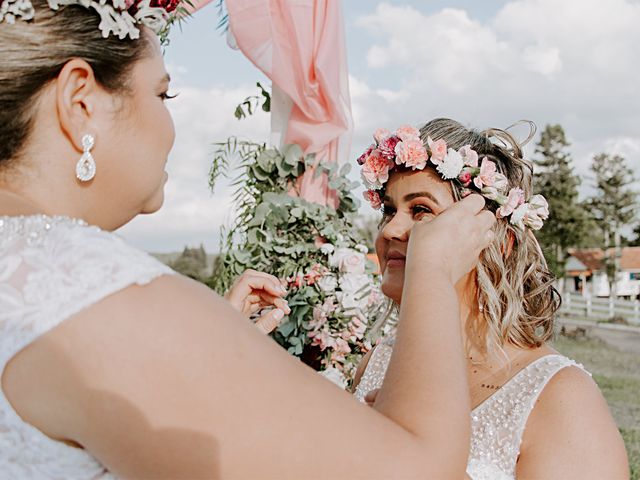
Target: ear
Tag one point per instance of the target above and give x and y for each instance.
(77, 100)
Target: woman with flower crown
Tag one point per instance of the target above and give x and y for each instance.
(535, 413)
(112, 364)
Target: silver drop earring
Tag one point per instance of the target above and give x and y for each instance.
(86, 166)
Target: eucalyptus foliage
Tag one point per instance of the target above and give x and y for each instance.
(278, 232)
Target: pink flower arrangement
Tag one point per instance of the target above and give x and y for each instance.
(405, 148)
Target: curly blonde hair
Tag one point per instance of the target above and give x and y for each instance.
(515, 290)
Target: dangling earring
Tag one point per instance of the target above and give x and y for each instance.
(86, 166)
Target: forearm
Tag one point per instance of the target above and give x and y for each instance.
(425, 389)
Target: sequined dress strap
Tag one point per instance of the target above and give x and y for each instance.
(497, 424)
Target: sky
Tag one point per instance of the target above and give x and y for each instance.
(485, 64)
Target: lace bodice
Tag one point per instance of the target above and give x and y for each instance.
(50, 269)
(497, 424)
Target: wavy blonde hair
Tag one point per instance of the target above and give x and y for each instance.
(515, 290)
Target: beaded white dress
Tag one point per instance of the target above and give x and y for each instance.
(497, 424)
(50, 269)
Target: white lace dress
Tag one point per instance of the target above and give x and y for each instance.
(497, 424)
(50, 269)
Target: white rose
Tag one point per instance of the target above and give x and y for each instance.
(352, 283)
(327, 283)
(348, 260)
(327, 248)
(335, 376)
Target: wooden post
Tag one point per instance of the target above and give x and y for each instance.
(611, 307)
(589, 311)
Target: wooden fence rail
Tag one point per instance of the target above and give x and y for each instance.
(600, 308)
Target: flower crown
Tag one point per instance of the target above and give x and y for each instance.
(404, 147)
(118, 17)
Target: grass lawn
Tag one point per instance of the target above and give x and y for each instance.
(618, 375)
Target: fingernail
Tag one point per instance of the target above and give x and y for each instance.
(282, 289)
(278, 314)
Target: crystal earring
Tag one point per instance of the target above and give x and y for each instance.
(86, 166)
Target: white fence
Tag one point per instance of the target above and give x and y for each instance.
(576, 305)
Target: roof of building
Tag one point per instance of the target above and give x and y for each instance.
(592, 258)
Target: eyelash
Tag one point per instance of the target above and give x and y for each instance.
(388, 211)
(166, 96)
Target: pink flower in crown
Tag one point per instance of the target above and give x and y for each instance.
(487, 174)
(407, 132)
(469, 156)
(465, 178)
(376, 170)
(387, 147)
(514, 200)
(438, 150)
(537, 212)
(412, 154)
(373, 198)
(363, 158)
(129, 3)
(380, 134)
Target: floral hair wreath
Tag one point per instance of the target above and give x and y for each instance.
(404, 147)
(118, 17)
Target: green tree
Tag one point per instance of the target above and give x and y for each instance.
(192, 263)
(569, 223)
(635, 237)
(612, 205)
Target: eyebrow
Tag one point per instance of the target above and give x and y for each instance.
(411, 196)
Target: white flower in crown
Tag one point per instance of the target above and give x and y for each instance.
(451, 166)
(518, 215)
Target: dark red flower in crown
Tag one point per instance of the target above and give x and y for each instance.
(387, 147)
(363, 158)
(168, 5)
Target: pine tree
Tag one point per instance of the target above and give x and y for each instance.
(635, 237)
(569, 224)
(613, 204)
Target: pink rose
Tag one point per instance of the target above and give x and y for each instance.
(465, 178)
(470, 156)
(375, 171)
(363, 158)
(412, 154)
(487, 174)
(380, 134)
(407, 132)
(373, 197)
(514, 200)
(438, 150)
(387, 147)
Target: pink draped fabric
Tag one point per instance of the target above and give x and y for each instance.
(300, 46)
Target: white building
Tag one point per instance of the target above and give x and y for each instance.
(585, 273)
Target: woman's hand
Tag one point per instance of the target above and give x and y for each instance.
(254, 291)
(451, 243)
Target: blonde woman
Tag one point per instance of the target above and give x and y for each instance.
(535, 414)
(113, 365)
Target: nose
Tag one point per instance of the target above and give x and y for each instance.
(397, 228)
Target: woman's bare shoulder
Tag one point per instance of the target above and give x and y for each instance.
(569, 431)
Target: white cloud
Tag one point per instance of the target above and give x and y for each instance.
(191, 215)
(574, 62)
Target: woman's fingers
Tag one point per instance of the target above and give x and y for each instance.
(251, 282)
(270, 320)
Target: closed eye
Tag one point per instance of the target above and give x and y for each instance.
(166, 96)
